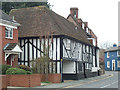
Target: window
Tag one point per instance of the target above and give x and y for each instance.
(118, 63)
(108, 54)
(68, 44)
(83, 25)
(87, 30)
(108, 64)
(118, 53)
(83, 48)
(8, 32)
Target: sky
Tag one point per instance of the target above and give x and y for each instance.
(101, 15)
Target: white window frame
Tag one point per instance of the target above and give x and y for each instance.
(118, 64)
(9, 32)
(118, 53)
(108, 54)
(108, 64)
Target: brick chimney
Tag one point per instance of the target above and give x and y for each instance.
(74, 12)
(86, 23)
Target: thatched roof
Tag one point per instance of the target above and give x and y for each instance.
(37, 21)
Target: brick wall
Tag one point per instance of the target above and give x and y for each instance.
(24, 80)
(3, 82)
(54, 78)
(42, 76)
(4, 41)
(0, 45)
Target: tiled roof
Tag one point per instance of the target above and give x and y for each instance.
(4, 16)
(10, 46)
(37, 21)
(112, 49)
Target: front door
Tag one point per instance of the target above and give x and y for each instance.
(113, 65)
(9, 60)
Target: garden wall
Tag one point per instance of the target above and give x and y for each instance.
(31, 80)
(24, 80)
(54, 78)
(3, 82)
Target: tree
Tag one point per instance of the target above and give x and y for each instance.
(7, 6)
(106, 45)
(41, 64)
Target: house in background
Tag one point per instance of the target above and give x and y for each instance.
(112, 58)
(71, 52)
(9, 49)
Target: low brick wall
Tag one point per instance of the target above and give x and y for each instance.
(54, 78)
(42, 76)
(3, 82)
(24, 80)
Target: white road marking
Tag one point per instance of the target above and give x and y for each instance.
(109, 84)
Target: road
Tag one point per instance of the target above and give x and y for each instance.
(110, 81)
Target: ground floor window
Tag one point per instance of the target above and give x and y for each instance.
(118, 63)
(108, 64)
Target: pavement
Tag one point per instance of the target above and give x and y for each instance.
(71, 83)
(103, 81)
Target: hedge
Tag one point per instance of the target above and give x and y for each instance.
(16, 71)
(4, 68)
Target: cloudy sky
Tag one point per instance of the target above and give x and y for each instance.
(101, 15)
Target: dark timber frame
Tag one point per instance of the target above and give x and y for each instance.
(27, 41)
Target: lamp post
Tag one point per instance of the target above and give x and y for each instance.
(61, 70)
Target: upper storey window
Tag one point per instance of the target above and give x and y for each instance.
(118, 53)
(9, 32)
(108, 54)
(67, 44)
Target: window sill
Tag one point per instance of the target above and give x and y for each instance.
(8, 38)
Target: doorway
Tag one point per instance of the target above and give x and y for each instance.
(113, 65)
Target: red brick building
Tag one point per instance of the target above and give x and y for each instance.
(9, 49)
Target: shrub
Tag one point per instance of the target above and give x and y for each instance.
(13, 71)
(28, 72)
(26, 68)
(4, 68)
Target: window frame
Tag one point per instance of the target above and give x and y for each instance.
(68, 47)
(9, 31)
(118, 64)
(118, 54)
(108, 54)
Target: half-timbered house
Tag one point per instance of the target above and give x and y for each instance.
(71, 52)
